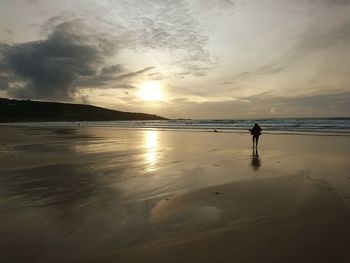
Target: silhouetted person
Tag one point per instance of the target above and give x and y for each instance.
(255, 132)
(255, 161)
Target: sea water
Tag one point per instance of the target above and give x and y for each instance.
(321, 126)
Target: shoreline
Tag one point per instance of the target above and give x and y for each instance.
(219, 130)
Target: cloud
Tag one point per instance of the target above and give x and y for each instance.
(169, 27)
(114, 69)
(227, 83)
(265, 105)
(133, 74)
(85, 99)
(337, 2)
(317, 55)
(5, 79)
(124, 86)
(110, 77)
(48, 68)
(72, 56)
(61, 64)
(317, 39)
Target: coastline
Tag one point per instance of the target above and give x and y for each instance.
(296, 126)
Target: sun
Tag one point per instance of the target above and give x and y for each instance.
(151, 91)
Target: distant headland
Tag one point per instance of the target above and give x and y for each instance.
(32, 111)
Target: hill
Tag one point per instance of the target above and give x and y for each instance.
(31, 111)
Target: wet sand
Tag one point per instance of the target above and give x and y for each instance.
(108, 195)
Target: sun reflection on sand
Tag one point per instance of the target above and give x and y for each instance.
(151, 145)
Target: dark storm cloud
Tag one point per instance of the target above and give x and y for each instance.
(5, 79)
(114, 69)
(48, 68)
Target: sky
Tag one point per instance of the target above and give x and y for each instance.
(181, 58)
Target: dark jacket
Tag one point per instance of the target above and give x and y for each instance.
(256, 130)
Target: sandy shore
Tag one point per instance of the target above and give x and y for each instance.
(107, 195)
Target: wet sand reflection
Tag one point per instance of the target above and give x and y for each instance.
(151, 146)
(255, 160)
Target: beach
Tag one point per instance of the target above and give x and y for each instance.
(104, 194)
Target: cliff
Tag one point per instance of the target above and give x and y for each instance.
(31, 111)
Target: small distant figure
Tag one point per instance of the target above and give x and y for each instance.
(215, 130)
(78, 123)
(255, 132)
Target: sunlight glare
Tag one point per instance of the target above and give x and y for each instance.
(151, 144)
(151, 91)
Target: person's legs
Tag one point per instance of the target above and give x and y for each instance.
(256, 140)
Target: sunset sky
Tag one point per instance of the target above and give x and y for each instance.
(180, 58)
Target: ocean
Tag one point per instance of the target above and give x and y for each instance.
(319, 126)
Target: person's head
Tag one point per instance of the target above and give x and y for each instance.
(256, 125)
